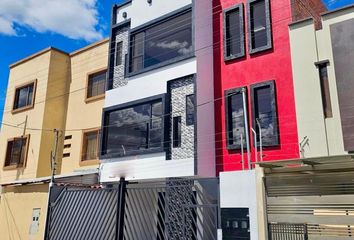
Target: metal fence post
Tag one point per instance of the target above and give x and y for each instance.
(120, 209)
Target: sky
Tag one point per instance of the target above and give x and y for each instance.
(28, 26)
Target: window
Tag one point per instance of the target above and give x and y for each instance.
(235, 123)
(16, 152)
(326, 97)
(259, 27)
(96, 85)
(190, 110)
(164, 42)
(264, 113)
(176, 132)
(119, 53)
(90, 145)
(134, 129)
(233, 33)
(24, 97)
(235, 223)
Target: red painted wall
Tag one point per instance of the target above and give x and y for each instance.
(274, 64)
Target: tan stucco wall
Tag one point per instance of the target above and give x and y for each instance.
(16, 206)
(82, 115)
(307, 47)
(37, 68)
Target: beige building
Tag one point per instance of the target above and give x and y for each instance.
(323, 70)
(48, 90)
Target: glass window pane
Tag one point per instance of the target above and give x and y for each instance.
(190, 110)
(326, 97)
(233, 30)
(96, 84)
(258, 24)
(119, 53)
(176, 132)
(91, 146)
(236, 125)
(264, 113)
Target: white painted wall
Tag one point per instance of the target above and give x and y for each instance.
(140, 12)
(238, 189)
(150, 83)
(203, 10)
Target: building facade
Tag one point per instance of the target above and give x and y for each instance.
(49, 90)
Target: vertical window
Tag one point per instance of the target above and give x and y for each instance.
(259, 26)
(190, 109)
(233, 33)
(119, 53)
(96, 85)
(235, 124)
(176, 132)
(90, 145)
(264, 113)
(24, 96)
(16, 152)
(326, 97)
(164, 42)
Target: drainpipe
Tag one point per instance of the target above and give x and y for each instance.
(260, 140)
(243, 158)
(245, 114)
(255, 144)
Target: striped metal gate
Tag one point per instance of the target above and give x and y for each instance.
(77, 213)
(180, 209)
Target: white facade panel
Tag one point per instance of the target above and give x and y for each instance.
(141, 12)
(238, 189)
(150, 166)
(150, 83)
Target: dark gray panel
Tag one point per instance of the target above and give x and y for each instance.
(342, 36)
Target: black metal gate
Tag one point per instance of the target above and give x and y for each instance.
(183, 209)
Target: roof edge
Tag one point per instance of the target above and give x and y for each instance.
(337, 10)
(88, 47)
(26, 59)
(309, 19)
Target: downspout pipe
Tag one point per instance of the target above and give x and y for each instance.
(245, 114)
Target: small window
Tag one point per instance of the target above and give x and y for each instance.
(176, 132)
(96, 85)
(90, 145)
(24, 97)
(68, 137)
(190, 109)
(235, 122)
(233, 33)
(16, 152)
(264, 113)
(119, 53)
(326, 97)
(259, 26)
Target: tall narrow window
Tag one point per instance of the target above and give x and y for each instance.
(24, 97)
(16, 152)
(176, 132)
(233, 32)
(90, 145)
(96, 85)
(326, 97)
(264, 113)
(259, 26)
(190, 110)
(119, 53)
(235, 123)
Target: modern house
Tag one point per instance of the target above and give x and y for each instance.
(49, 90)
(255, 114)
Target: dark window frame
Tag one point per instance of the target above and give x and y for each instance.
(242, 31)
(161, 97)
(7, 162)
(151, 24)
(118, 59)
(99, 96)
(269, 45)
(271, 84)
(188, 122)
(227, 112)
(325, 89)
(86, 161)
(177, 131)
(16, 109)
